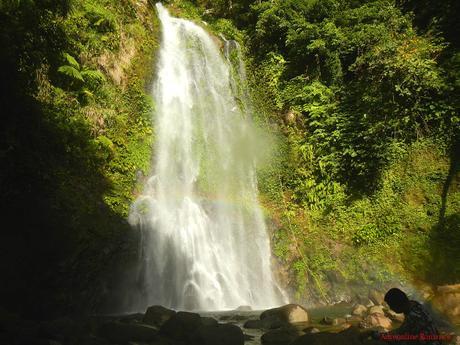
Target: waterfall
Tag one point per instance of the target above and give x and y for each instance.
(204, 241)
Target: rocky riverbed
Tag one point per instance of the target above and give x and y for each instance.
(286, 325)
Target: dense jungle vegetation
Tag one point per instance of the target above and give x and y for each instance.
(362, 95)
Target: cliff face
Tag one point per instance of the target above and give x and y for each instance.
(76, 131)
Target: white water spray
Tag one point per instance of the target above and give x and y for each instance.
(204, 240)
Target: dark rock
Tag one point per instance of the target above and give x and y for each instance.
(157, 315)
(253, 324)
(208, 321)
(347, 337)
(121, 332)
(181, 325)
(221, 334)
(282, 336)
(270, 322)
(290, 313)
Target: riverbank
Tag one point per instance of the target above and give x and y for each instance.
(290, 324)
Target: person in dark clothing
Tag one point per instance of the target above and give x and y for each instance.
(418, 326)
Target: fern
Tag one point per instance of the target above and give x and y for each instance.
(71, 72)
(93, 75)
(71, 61)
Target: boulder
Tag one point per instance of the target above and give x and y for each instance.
(121, 332)
(253, 324)
(208, 321)
(376, 309)
(270, 322)
(376, 320)
(244, 308)
(157, 315)
(181, 325)
(359, 310)
(290, 313)
(222, 334)
(283, 336)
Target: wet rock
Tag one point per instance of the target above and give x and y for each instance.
(157, 315)
(376, 321)
(376, 309)
(253, 324)
(244, 308)
(120, 332)
(181, 325)
(282, 336)
(208, 321)
(222, 334)
(359, 310)
(290, 313)
(270, 322)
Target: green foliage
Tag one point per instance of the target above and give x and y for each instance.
(71, 72)
(77, 128)
(364, 105)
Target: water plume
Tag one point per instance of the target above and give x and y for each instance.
(204, 241)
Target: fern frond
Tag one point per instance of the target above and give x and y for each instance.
(71, 61)
(93, 75)
(71, 72)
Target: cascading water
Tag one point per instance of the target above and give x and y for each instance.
(204, 240)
